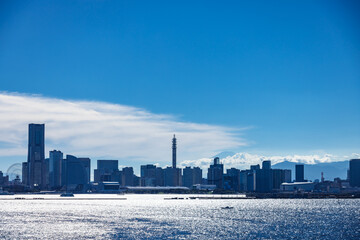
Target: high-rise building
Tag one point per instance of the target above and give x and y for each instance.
(354, 172)
(266, 164)
(76, 174)
(127, 176)
(36, 156)
(232, 179)
(148, 175)
(280, 176)
(107, 171)
(263, 178)
(159, 177)
(174, 152)
(172, 176)
(191, 176)
(55, 168)
(216, 174)
(299, 173)
(25, 173)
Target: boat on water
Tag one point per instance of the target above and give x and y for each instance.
(227, 207)
(67, 194)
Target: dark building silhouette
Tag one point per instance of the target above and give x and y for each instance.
(174, 152)
(36, 156)
(159, 177)
(107, 171)
(280, 176)
(216, 174)
(3, 179)
(25, 173)
(263, 179)
(46, 178)
(191, 176)
(299, 173)
(354, 172)
(55, 169)
(254, 167)
(76, 174)
(266, 164)
(243, 181)
(127, 176)
(148, 175)
(232, 179)
(172, 177)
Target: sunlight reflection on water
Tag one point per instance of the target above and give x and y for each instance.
(152, 217)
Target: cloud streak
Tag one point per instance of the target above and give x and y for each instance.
(100, 129)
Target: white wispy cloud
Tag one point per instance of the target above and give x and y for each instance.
(99, 129)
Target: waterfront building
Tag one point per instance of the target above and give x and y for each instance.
(172, 177)
(55, 168)
(299, 173)
(76, 174)
(107, 171)
(148, 175)
(3, 179)
(263, 179)
(216, 174)
(280, 176)
(25, 173)
(159, 177)
(243, 177)
(354, 172)
(266, 164)
(191, 176)
(127, 176)
(297, 186)
(36, 156)
(232, 179)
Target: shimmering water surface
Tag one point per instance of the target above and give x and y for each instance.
(152, 217)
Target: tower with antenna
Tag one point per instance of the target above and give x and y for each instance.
(174, 152)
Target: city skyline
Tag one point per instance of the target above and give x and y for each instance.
(198, 140)
(73, 174)
(33, 170)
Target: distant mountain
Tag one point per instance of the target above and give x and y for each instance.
(313, 171)
(224, 155)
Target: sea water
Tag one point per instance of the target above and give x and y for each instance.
(145, 216)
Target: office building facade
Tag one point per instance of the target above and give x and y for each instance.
(299, 173)
(36, 156)
(354, 172)
(216, 174)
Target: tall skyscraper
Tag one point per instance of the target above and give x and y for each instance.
(191, 176)
(263, 178)
(216, 174)
(36, 156)
(266, 164)
(299, 173)
(76, 174)
(174, 152)
(354, 172)
(127, 176)
(55, 168)
(148, 175)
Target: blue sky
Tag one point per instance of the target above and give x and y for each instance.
(288, 72)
